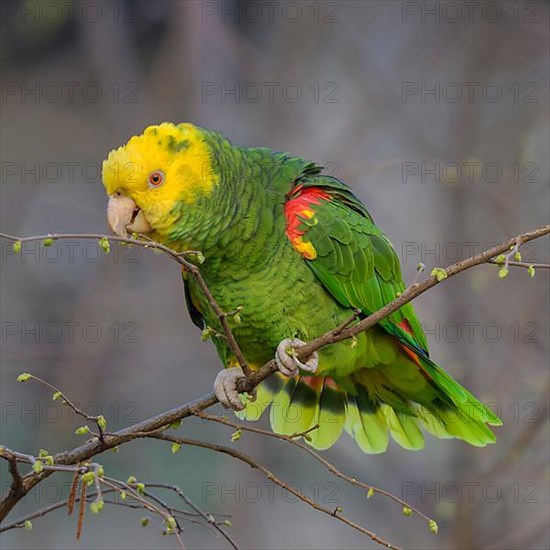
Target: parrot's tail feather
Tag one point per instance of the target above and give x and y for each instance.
(366, 423)
(299, 404)
(371, 405)
(308, 401)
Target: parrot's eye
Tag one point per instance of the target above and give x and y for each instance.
(156, 178)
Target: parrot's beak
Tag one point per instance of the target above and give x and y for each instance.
(125, 217)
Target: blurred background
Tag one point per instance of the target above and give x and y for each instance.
(435, 112)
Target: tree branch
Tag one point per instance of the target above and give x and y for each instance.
(371, 489)
(153, 426)
(243, 457)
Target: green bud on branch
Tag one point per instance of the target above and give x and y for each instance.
(439, 273)
(96, 506)
(104, 245)
(207, 333)
(101, 422)
(170, 522)
(88, 478)
(200, 257)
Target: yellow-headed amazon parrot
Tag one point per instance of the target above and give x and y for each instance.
(300, 253)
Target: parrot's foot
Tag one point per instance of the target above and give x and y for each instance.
(225, 388)
(288, 363)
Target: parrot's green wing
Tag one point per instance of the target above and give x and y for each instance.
(348, 253)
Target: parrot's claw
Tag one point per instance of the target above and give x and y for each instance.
(287, 362)
(225, 388)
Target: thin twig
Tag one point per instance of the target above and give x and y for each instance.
(526, 265)
(179, 257)
(120, 486)
(330, 467)
(90, 497)
(58, 394)
(239, 455)
(208, 517)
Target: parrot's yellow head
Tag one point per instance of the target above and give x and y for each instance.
(151, 178)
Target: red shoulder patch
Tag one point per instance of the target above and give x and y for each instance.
(300, 205)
